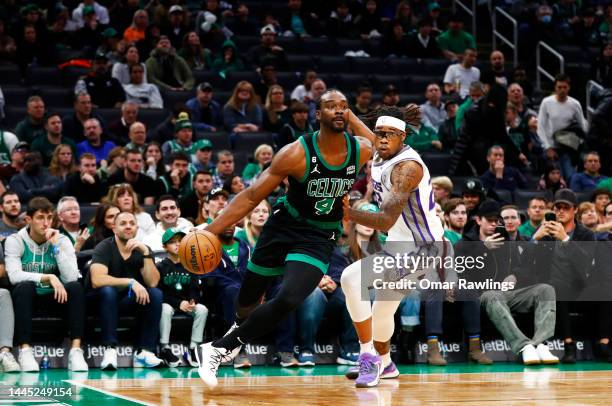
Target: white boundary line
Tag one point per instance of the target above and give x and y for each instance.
(108, 393)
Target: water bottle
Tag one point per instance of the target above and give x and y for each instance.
(44, 362)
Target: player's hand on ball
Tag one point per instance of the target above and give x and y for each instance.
(142, 296)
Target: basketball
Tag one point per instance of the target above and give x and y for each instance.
(200, 252)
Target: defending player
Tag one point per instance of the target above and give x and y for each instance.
(402, 188)
(298, 239)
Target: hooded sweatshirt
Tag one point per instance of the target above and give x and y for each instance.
(223, 67)
(27, 261)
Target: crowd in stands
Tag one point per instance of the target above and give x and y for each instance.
(102, 181)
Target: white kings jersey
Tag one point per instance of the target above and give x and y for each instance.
(418, 221)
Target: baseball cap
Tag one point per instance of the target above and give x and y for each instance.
(433, 6)
(109, 33)
(171, 232)
(202, 144)
(565, 196)
(216, 192)
(450, 100)
(489, 208)
(21, 145)
(473, 186)
(175, 9)
(267, 29)
(205, 86)
(88, 10)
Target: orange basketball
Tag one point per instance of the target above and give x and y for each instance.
(200, 252)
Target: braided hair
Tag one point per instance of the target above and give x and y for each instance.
(411, 114)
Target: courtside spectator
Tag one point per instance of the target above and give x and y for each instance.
(124, 276)
(587, 181)
(511, 221)
(167, 70)
(33, 124)
(559, 118)
(46, 282)
(85, 185)
(46, 143)
(253, 223)
(215, 201)
(7, 328)
(154, 161)
(146, 188)
(202, 185)
(181, 293)
(205, 113)
(233, 185)
(535, 214)
(119, 130)
(101, 225)
(69, 216)
(63, 162)
(601, 198)
(168, 213)
(262, 156)
(116, 162)
(10, 206)
(34, 180)
(94, 144)
(459, 77)
(146, 95)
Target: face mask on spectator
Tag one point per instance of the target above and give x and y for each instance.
(546, 18)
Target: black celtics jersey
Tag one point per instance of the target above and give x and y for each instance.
(318, 195)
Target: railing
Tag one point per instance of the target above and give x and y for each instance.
(496, 34)
(469, 11)
(591, 84)
(540, 70)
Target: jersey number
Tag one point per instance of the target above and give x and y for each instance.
(324, 206)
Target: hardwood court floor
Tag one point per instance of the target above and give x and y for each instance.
(458, 384)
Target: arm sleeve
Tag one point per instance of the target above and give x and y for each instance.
(66, 261)
(14, 269)
(17, 185)
(543, 130)
(101, 255)
(448, 76)
(229, 119)
(156, 101)
(258, 117)
(10, 139)
(580, 117)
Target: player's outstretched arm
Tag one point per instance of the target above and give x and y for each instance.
(405, 177)
(284, 164)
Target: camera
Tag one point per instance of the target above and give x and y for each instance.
(501, 230)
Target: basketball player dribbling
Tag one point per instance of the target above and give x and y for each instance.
(402, 189)
(300, 235)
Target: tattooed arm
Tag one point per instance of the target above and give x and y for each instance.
(405, 177)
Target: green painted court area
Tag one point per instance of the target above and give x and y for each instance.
(84, 394)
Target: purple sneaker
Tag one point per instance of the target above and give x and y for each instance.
(390, 371)
(370, 367)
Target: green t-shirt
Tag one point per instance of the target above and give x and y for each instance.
(242, 236)
(456, 43)
(421, 141)
(465, 106)
(44, 263)
(452, 236)
(232, 251)
(526, 229)
(250, 171)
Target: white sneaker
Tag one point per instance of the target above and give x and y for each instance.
(76, 361)
(8, 362)
(209, 362)
(146, 359)
(530, 355)
(27, 361)
(545, 355)
(109, 361)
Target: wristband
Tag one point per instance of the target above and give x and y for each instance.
(130, 288)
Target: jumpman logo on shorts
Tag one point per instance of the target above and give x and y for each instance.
(333, 236)
(316, 169)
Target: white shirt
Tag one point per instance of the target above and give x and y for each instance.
(433, 116)
(121, 72)
(154, 239)
(101, 14)
(146, 95)
(465, 77)
(300, 93)
(555, 116)
(146, 225)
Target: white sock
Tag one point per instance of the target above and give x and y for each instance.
(367, 347)
(386, 359)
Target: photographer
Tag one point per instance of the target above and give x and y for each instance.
(564, 263)
(502, 263)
